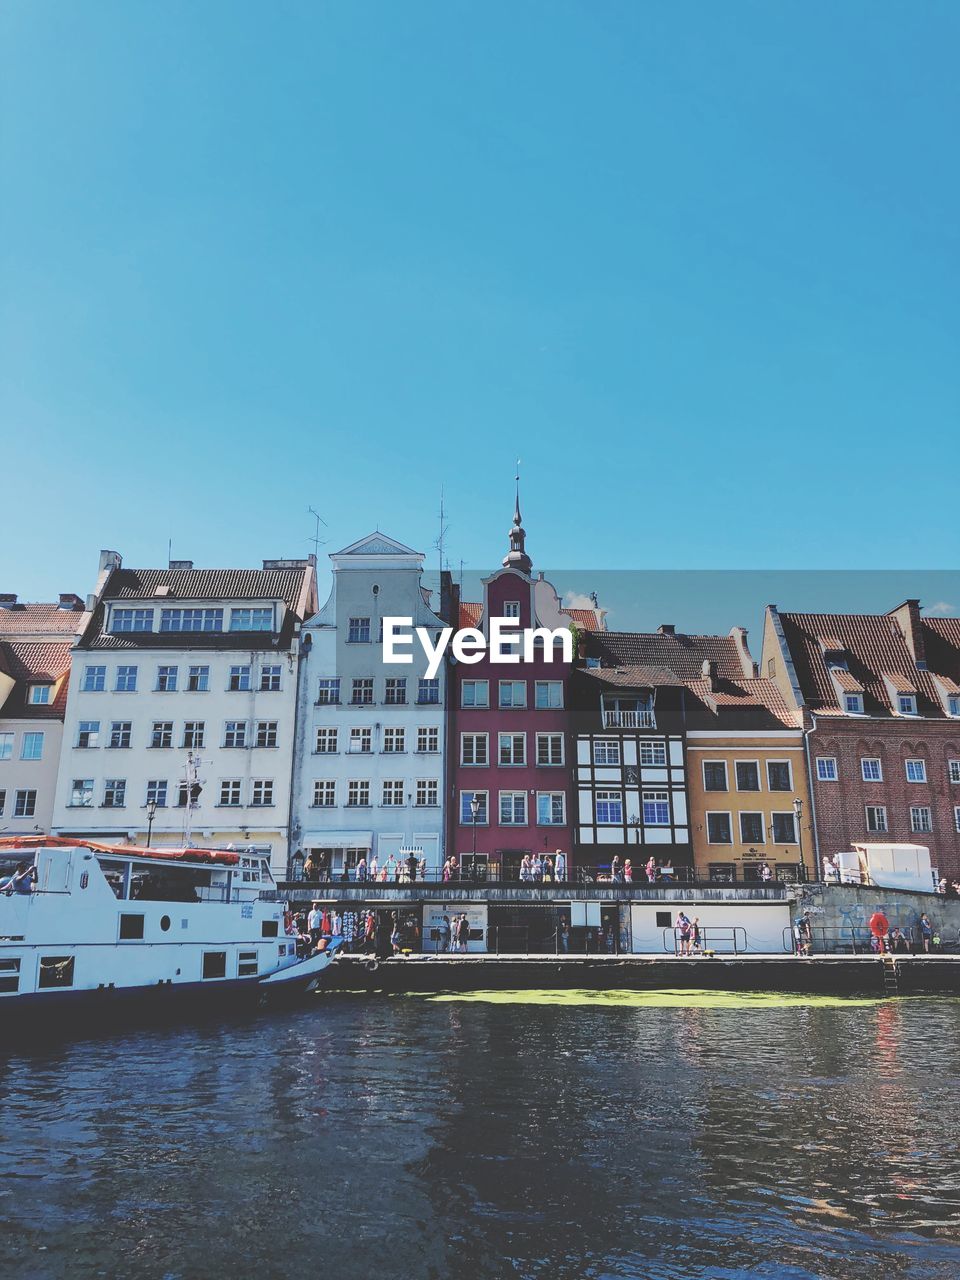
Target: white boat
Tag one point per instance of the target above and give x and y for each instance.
(84, 924)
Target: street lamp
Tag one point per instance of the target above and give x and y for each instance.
(151, 814)
(798, 810)
(474, 813)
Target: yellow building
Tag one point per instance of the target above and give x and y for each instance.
(746, 781)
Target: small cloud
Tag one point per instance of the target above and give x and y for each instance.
(941, 610)
(577, 600)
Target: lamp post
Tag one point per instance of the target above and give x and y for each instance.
(798, 810)
(151, 814)
(474, 813)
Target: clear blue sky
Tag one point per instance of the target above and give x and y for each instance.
(696, 263)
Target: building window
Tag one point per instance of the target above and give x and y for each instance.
(956, 816)
(25, 804)
(548, 695)
(853, 704)
(428, 691)
(656, 809)
(198, 681)
(876, 818)
(81, 793)
(157, 793)
(784, 828)
(606, 751)
(262, 793)
(230, 792)
(358, 631)
(609, 808)
(513, 693)
(654, 754)
(162, 733)
(328, 691)
(239, 679)
(3, 802)
(166, 679)
(748, 775)
(120, 734)
(361, 741)
(511, 609)
(920, 819)
(551, 807)
(953, 770)
(718, 828)
(466, 811)
(394, 741)
(94, 679)
(549, 749)
(714, 775)
(362, 695)
(269, 679)
(88, 734)
(916, 770)
(39, 694)
(907, 704)
(396, 691)
(126, 679)
(193, 733)
(324, 794)
(31, 747)
(6, 746)
(191, 619)
(474, 749)
(428, 739)
(513, 808)
(326, 742)
(131, 620)
(751, 828)
(114, 793)
(427, 792)
(953, 706)
(512, 748)
(266, 733)
(235, 733)
(358, 794)
(475, 693)
(260, 619)
(778, 775)
(392, 794)
(871, 769)
(827, 768)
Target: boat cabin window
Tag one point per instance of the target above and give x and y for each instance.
(9, 974)
(167, 884)
(214, 964)
(131, 927)
(246, 964)
(269, 928)
(56, 971)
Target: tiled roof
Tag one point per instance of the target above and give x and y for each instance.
(846, 682)
(470, 613)
(876, 650)
(632, 677)
(733, 702)
(39, 619)
(950, 686)
(683, 655)
(585, 619)
(900, 683)
(35, 663)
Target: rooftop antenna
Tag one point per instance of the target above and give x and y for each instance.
(169, 553)
(316, 539)
(444, 528)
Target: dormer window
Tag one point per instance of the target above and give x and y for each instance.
(953, 706)
(853, 704)
(251, 619)
(39, 695)
(131, 620)
(907, 704)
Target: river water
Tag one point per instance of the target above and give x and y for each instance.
(543, 1135)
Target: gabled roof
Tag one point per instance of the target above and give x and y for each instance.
(632, 677)
(30, 663)
(683, 655)
(738, 704)
(377, 544)
(39, 620)
(471, 615)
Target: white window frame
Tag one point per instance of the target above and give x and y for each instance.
(476, 738)
(167, 678)
(361, 685)
(271, 675)
(81, 793)
(330, 735)
(507, 745)
(552, 797)
(513, 798)
(907, 704)
(231, 793)
(239, 679)
(262, 787)
(357, 787)
(545, 743)
(476, 686)
(267, 730)
(830, 761)
(550, 688)
(120, 729)
(779, 791)
(752, 813)
(427, 794)
(252, 618)
(161, 735)
(915, 811)
(90, 729)
(391, 793)
(871, 760)
(606, 746)
(324, 787)
(514, 686)
(358, 630)
(428, 739)
(881, 825)
(614, 800)
(39, 695)
(726, 777)
(783, 813)
(194, 733)
(465, 798)
(655, 798)
(94, 678)
(922, 770)
(655, 748)
(157, 792)
(394, 740)
(395, 691)
(25, 802)
(127, 674)
(198, 678)
(363, 735)
(953, 771)
(35, 739)
(719, 813)
(748, 791)
(234, 734)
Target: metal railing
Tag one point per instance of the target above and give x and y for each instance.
(858, 940)
(629, 720)
(579, 877)
(711, 938)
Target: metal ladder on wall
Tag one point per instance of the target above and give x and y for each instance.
(891, 981)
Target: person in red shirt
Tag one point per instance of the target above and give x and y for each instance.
(880, 927)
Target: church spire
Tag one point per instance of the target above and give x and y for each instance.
(516, 557)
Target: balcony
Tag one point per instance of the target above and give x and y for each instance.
(629, 720)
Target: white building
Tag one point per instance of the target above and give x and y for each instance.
(368, 774)
(35, 642)
(180, 717)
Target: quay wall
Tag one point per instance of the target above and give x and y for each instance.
(838, 909)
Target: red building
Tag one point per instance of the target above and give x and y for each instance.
(509, 781)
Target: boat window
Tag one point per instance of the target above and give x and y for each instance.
(56, 971)
(270, 929)
(247, 964)
(168, 884)
(9, 975)
(164, 923)
(131, 927)
(214, 964)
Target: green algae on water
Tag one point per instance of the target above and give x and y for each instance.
(681, 999)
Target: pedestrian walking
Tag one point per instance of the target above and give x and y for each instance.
(443, 934)
(926, 932)
(560, 865)
(682, 933)
(315, 922)
(463, 932)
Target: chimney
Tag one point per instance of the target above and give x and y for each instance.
(181, 565)
(7, 601)
(110, 560)
(907, 615)
(666, 629)
(709, 672)
(748, 667)
(69, 601)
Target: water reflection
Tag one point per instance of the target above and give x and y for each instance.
(427, 1138)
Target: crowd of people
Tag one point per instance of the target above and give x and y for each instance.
(374, 933)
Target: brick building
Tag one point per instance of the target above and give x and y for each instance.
(880, 700)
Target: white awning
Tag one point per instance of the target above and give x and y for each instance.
(337, 840)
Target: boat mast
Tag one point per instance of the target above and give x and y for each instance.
(191, 780)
